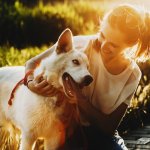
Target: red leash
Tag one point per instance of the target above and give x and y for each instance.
(22, 81)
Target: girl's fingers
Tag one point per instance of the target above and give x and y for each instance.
(42, 84)
(47, 88)
(39, 78)
(52, 91)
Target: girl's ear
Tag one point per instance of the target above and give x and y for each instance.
(65, 42)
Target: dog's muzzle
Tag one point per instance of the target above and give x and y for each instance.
(67, 79)
(87, 80)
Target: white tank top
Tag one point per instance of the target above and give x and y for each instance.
(107, 91)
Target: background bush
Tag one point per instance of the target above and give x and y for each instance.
(11, 56)
(22, 26)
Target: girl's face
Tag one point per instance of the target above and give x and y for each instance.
(112, 41)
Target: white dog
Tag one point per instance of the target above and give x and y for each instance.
(37, 116)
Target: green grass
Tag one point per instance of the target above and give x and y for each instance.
(11, 56)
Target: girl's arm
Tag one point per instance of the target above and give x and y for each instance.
(107, 123)
(33, 62)
(38, 84)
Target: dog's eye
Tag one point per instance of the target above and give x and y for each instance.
(76, 62)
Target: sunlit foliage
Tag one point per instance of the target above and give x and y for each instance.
(22, 26)
(10, 56)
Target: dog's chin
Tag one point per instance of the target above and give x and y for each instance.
(66, 78)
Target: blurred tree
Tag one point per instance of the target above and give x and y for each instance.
(9, 2)
(29, 3)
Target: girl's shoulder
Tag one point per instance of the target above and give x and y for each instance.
(136, 71)
(82, 41)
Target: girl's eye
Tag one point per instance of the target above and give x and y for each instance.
(76, 62)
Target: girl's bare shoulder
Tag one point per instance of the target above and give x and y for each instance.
(81, 41)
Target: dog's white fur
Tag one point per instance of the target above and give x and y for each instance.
(37, 116)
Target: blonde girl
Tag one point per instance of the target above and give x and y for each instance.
(116, 76)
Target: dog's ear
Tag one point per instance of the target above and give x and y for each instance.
(65, 42)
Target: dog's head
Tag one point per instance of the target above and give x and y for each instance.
(66, 63)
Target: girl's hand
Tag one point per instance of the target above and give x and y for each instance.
(42, 87)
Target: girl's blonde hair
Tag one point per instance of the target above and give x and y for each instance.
(134, 23)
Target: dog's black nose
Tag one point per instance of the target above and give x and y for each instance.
(87, 80)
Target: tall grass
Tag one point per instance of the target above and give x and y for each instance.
(11, 56)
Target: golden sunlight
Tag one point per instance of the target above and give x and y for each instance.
(143, 3)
